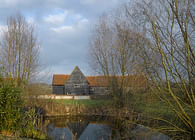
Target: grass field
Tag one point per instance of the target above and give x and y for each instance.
(145, 103)
(88, 103)
(153, 106)
(137, 102)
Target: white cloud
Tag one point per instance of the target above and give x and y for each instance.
(2, 28)
(30, 20)
(62, 29)
(56, 18)
(84, 20)
(101, 3)
(76, 26)
(83, 23)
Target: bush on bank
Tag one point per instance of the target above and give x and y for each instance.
(14, 120)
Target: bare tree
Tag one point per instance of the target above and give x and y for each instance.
(114, 46)
(162, 34)
(19, 50)
(99, 47)
(170, 27)
(114, 52)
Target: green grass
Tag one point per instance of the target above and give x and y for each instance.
(153, 106)
(87, 102)
(155, 109)
(137, 102)
(140, 102)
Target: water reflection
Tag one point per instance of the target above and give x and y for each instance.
(97, 128)
(77, 128)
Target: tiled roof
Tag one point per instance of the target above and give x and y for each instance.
(131, 81)
(97, 81)
(102, 81)
(59, 79)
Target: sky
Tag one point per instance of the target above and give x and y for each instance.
(62, 27)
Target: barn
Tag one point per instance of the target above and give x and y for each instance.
(78, 84)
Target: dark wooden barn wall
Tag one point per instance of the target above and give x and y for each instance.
(58, 90)
(99, 90)
(77, 84)
(61, 90)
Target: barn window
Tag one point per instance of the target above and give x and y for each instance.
(92, 89)
(77, 86)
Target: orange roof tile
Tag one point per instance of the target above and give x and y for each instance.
(99, 81)
(131, 81)
(59, 79)
(103, 81)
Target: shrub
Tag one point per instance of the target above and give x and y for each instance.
(14, 119)
(10, 106)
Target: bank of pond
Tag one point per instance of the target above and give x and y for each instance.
(97, 127)
(99, 119)
(119, 125)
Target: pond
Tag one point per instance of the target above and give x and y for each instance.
(97, 128)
